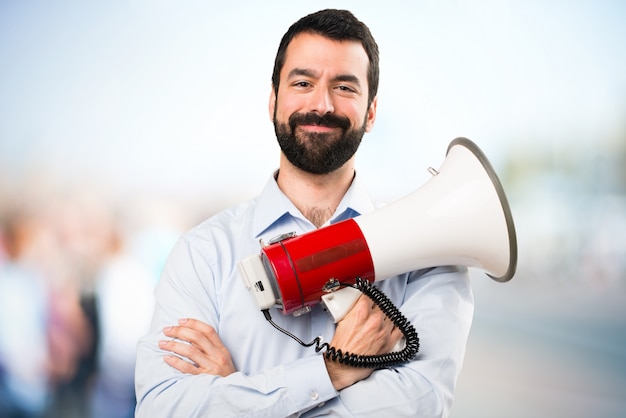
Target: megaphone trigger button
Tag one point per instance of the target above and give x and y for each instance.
(432, 171)
(331, 285)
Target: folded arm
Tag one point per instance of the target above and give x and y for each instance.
(197, 348)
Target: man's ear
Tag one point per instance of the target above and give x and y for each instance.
(272, 103)
(371, 115)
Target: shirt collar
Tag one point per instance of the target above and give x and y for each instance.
(273, 206)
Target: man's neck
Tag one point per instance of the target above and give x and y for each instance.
(315, 195)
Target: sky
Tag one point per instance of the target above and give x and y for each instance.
(171, 97)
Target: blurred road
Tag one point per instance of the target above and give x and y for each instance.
(544, 351)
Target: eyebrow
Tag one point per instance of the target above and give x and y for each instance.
(349, 78)
(301, 72)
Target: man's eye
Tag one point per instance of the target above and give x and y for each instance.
(346, 89)
(302, 84)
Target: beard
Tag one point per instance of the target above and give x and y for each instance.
(316, 152)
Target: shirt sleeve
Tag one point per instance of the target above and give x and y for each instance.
(163, 391)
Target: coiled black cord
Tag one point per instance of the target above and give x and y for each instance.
(380, 361)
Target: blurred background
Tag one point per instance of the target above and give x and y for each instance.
(124, 123)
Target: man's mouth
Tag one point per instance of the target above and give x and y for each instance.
(317, 128)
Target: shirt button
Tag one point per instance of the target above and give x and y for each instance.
(314, 395)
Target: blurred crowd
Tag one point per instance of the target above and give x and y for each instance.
(76, 293)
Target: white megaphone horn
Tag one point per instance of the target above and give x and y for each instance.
(459, 217)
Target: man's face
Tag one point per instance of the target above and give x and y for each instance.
(321, 112)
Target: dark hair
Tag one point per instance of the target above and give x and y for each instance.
(339, 25)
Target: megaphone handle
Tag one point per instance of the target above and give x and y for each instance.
(339, 302)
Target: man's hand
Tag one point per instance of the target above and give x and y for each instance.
(200, 344)
(365, 330)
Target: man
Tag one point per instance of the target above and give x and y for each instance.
(229, 361)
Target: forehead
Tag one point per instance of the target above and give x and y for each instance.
(326, 56)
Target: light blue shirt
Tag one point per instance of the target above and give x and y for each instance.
(276, 376)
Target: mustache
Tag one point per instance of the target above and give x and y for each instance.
(328, 120)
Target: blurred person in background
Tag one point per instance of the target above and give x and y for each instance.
(78, 225)
(44, 332)
(124, 302)
(24, 316)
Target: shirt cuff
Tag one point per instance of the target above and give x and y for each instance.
(308, 382)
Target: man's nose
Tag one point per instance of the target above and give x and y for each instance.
(321, 101)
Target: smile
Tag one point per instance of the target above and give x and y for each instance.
(317, 128)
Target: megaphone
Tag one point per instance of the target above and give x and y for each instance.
(460, 217)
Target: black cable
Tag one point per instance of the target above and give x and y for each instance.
(380, 361)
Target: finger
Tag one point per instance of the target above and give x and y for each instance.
(189, 335)
(196, 332)
(181, 365)
(182, 349)
(202, 327)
